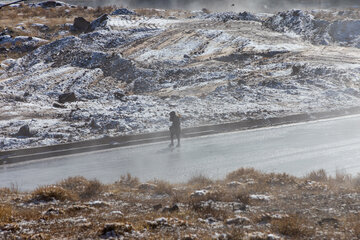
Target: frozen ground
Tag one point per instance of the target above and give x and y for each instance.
(132, 70)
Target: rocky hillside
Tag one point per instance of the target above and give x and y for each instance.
(246, 205)
(122, 73)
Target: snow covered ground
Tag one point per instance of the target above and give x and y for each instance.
(130, 72)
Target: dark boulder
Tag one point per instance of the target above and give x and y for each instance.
(58, 105)
(157, 206)
(93, 124)
(51, 4)
(81, 25)
(174, 208)
(24, 131)
(98, 22)
(123, 11)
(67, 97)
(119, 95)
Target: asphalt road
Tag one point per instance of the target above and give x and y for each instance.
(333, 145)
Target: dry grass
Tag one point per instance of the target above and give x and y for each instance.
(92, 189)
(163, 187)
(291, 212)
(199, 181)
(292, 226)
(6, 213)
(128, 181)
(243, 173)
(83, 188)
(51, 193)
(319, 176)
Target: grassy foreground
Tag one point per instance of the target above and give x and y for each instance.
(247, 204)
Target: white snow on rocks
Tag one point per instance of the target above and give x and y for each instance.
(131, 71)
(341, 32)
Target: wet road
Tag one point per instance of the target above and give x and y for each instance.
(333, 145)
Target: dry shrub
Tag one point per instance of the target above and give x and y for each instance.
(93, 189)
(128, 181)
(318, 176)
(279, 179)
(75, 184)
(84, 188)
(50, 193)
(356, 181)
(200, 181)
(241, 196)
(5, 191)
(342, 177)
(163, 187)
(291, 226)
(244, 173)
(6, 213)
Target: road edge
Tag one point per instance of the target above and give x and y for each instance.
(37, 153)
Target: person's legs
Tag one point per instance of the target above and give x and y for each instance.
(178, 138)
(172, 138)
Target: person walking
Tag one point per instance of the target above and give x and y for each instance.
(175, 129)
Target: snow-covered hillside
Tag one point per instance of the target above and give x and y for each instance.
(132, 70)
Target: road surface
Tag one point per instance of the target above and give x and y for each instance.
(333, 145)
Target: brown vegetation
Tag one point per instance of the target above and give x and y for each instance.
(247, 204)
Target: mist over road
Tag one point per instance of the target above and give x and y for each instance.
(333, 145)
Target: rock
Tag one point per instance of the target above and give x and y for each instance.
(329, 221)
(39, 236)
(98, 204)
(234, 184)
(118, 213)
(273, 237)
(115, 229)
(81, 25)
(98, 22)
(78, 208)
(174, 208)
(199, 193)
(260, 197)
(112, 124)
(142, 85)
(238, 220)
(210, 220)
(50, 4)
(147, 186)
(157, 222)
(53, 211)
(157, 206)
(67, 97)
(239, 206)
(24, 131)
(123, 11)
(119, 95)
(256, 236)
(40, 27)
(58, 105)
(94, 125)
(296, 69)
